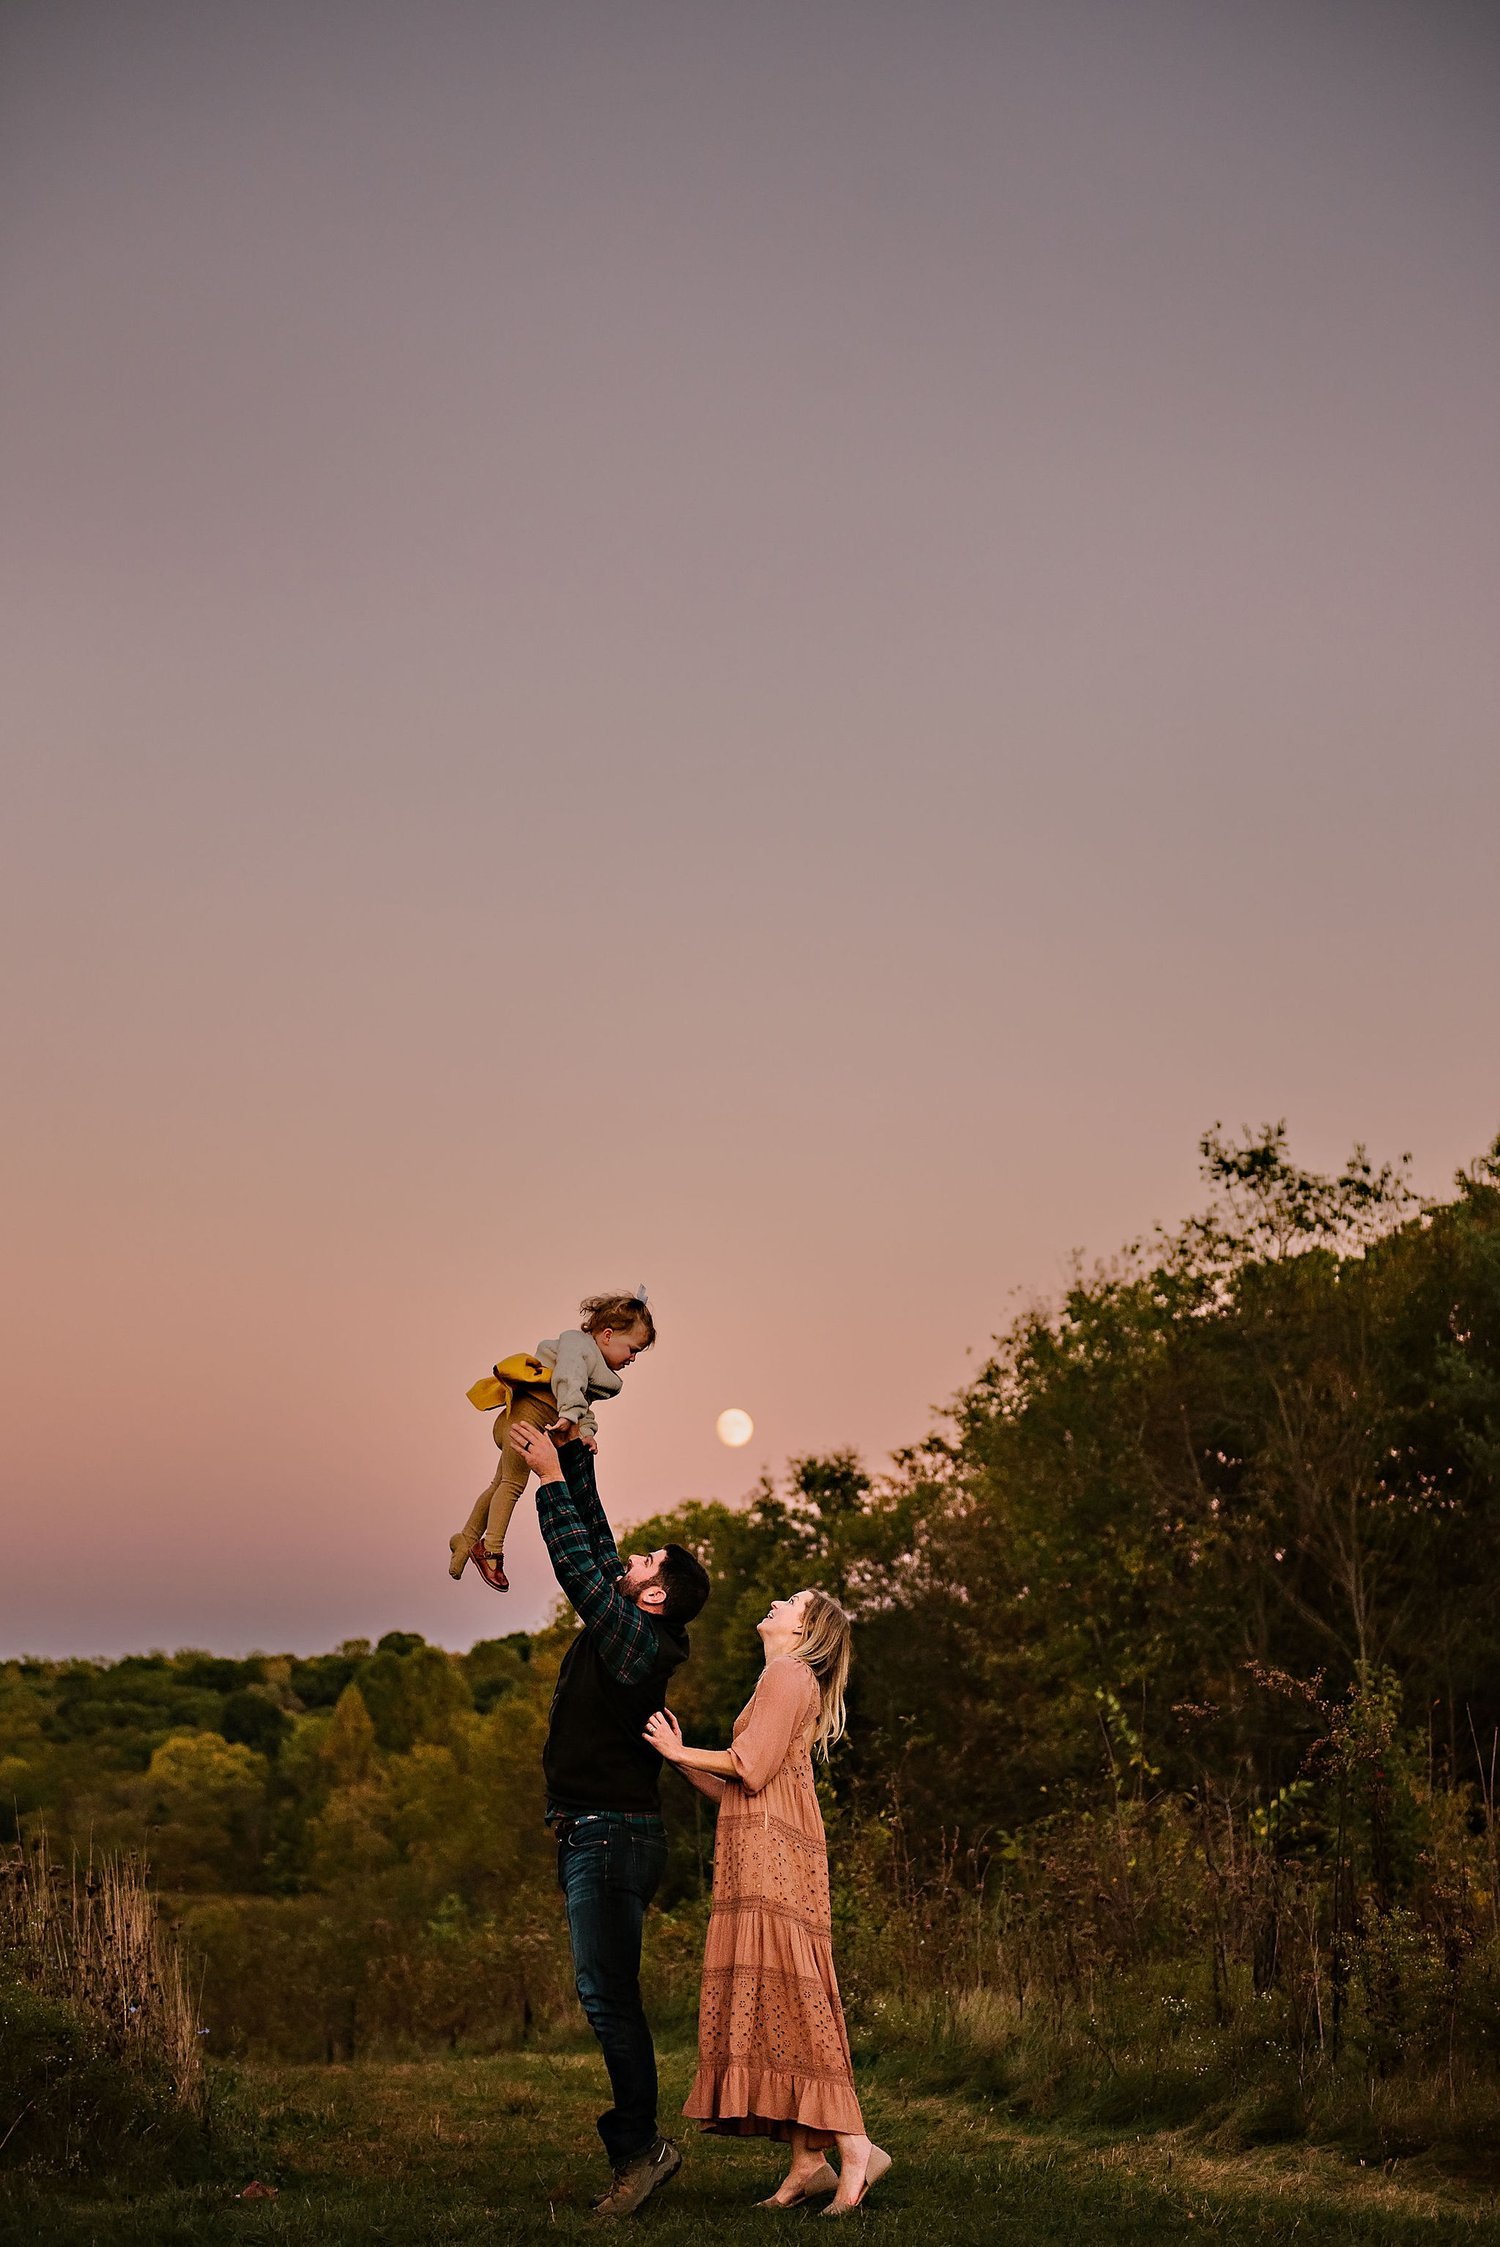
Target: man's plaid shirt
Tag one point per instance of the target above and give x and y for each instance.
(589, 1568)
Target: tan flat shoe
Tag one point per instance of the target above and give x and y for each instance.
(880, 2161)
(821, 2181)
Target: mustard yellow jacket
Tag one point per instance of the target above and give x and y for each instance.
(573, 1366)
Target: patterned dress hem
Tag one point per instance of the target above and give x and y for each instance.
(739, 2102)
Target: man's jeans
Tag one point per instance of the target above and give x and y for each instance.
(608, 1873)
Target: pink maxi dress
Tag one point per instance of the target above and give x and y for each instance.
(772, 2046)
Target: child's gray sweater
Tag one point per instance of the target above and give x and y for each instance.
(579, 1375)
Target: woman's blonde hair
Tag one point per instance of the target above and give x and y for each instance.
(825, 1648)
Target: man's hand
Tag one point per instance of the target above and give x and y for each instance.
(538, 1453)
(665, 1734)
(567, 1430)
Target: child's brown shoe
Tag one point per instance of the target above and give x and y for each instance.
(491, 1567)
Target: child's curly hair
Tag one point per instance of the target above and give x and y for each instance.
(622, 1312)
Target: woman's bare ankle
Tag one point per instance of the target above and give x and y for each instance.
(854, 2160)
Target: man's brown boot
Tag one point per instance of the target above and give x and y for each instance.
(639, 2178)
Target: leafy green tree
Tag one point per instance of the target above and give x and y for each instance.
(495, 1667)
(250, 1716)
(413, 1695)
(346, 1747)
(204, 1803)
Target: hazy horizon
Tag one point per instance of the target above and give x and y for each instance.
(771, 651)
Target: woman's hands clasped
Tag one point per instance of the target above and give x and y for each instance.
(665, 1734)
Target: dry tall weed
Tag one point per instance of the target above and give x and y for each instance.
(91, 1934)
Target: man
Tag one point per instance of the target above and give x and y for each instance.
(602, 1799)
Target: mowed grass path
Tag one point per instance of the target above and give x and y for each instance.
(503, 2150)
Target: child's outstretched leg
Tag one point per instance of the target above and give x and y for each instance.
(470, 1538)
(482, 1538)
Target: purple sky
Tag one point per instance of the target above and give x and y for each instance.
(773, 648)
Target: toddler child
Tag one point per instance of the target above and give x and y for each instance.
(552, 1387)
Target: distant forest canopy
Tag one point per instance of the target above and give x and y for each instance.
(1176, 1519)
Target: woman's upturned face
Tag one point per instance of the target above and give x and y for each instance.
(785, 1614)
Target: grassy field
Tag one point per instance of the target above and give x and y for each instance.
(504, 2150)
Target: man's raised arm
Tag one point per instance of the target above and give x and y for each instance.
(577, 1464)
(573, 1528)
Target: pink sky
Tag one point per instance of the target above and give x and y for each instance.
(769, 649)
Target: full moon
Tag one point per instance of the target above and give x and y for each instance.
(734, 1427)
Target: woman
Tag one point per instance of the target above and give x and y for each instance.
(773, 2055)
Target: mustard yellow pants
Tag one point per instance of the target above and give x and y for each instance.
(490, 1514)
